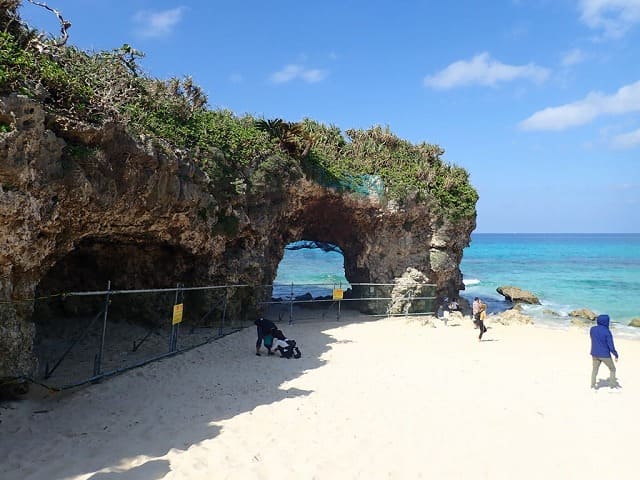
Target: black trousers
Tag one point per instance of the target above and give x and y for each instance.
(483, 329)
(480, 324)
(261, 335)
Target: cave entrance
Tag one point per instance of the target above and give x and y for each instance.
(72, 331)
(127, 264)
(310, 269)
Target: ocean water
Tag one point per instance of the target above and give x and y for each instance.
(309, 270)
(600, 272)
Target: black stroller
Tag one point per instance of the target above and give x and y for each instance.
(286, 346)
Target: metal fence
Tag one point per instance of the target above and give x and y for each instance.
(373, 299)
(82, 337)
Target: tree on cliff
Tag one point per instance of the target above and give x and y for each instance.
(291, 136)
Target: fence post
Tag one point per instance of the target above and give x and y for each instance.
(291, 305)
(173, 340)
(98, 358)
(339, 302)
(406, 310)
(224, 311)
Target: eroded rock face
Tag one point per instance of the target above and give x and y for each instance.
(510, 317)
(584, 313)
(517, 295)
(409, 293)
(81, 206)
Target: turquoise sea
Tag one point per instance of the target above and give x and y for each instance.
(600, 272)
(309, 270)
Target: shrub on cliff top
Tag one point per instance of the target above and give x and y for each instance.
(406, 170)
(238, 153)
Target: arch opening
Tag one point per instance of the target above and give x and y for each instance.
(310, 269)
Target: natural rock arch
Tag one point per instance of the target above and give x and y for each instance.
(70, 190)
(379, 240)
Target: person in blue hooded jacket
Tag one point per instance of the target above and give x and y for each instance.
(601, 349)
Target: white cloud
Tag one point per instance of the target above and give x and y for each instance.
(613, 17)
(158, 24)
(573, 57)
(595, 104)
(483, 70)
(626, 140)
(293, 72)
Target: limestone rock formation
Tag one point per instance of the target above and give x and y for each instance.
(81, 206)
(517, 295)
(584, 313)
(581, 321)
(635, 322)
(509, 317)
(410, 292)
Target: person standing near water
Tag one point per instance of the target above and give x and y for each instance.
(475, 308)
(479, 313)
(601, 349)
(453, 305)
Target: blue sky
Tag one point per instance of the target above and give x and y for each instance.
(538, 99)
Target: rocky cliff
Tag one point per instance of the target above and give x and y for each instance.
(82, 205)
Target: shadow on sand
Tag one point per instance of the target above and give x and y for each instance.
(91, 418)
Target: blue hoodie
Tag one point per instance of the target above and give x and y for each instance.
(601, 338)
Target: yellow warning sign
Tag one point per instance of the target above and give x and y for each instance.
(177, 313)
(338, 294)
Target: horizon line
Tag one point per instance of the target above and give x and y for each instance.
(556, 233)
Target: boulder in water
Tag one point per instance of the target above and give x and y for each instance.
(517, 295)
(635, 322)
(306, 297)
(584, 313)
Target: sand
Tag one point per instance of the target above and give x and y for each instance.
(384, 399)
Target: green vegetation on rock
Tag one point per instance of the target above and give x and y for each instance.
(240, 154)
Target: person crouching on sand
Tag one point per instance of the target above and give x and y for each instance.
(601, 349)
(265, 330)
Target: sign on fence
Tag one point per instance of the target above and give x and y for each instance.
(338, 294)
(177, 313)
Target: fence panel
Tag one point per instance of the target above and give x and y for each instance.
(84, 336)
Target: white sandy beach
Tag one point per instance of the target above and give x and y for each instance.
(388, 399)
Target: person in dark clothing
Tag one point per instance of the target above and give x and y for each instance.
(277, 333)
(601, 349)
(479, 309)
(265, 334)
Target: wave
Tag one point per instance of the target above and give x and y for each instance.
(471, 281)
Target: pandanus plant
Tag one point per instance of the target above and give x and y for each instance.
(291, 136)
